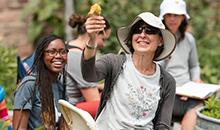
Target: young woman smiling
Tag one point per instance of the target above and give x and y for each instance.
(36, 97)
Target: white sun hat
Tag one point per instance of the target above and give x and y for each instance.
(152, 20)
(76, 118)
(173, 7)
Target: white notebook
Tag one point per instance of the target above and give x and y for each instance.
(197, 90)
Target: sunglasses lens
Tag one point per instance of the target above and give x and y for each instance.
(138, 30)
(147, 30)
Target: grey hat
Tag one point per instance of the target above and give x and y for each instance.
(151, 19)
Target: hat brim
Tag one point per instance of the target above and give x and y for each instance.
(168, 39)
(174, 12)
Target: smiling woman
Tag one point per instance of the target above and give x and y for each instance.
(138, 93)
(36, 97)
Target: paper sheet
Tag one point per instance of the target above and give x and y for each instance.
(197, 90)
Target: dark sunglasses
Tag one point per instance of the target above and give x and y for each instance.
(147, 30)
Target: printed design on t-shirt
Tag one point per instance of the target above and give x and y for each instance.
(142, 100)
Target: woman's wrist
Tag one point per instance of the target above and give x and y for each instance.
(91, 47)
(90, 50)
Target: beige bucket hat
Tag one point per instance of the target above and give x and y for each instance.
(151, 19)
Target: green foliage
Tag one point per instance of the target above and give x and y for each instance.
(46, 17)
(212, 106)
(204, 21)
(118, 13)
(8, 71)
(208, 48)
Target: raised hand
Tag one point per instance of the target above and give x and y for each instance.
(94, 24)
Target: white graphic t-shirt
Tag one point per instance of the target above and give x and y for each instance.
(133, 102)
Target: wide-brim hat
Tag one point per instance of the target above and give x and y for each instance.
(173, 7)
(152, 20)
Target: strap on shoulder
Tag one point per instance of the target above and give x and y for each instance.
(26, 79)
(72, 46)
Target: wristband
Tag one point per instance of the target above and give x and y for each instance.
(90, 47)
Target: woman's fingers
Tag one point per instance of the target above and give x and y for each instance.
(95, 24)
(92, 29)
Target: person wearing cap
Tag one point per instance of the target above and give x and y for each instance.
(183, 63)
(138, 93)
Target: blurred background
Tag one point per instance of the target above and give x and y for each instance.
(22, 22)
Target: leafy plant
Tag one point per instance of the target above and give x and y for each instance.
(207, 35)
(46, 17)
(212, 106)
(8, 72)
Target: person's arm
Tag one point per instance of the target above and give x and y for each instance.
(94, 24)
(20, 119)
(194, 67)
(90, 68)
(23, 101)
(88, 89)
(90, 94)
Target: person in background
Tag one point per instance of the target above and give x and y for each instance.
(36, 97)
(138, 93)
(80, 92)
(183, 63)
(24, 66)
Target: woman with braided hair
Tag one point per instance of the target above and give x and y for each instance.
(36, 97)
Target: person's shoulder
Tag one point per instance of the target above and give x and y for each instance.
(189, 36)
(27, 81)
(25, 87)
(72, 46)
(166, 75)
(73, 54)
(108, 55)
(168, 82)
(114, 57)
(75, 51)
(29, 78)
